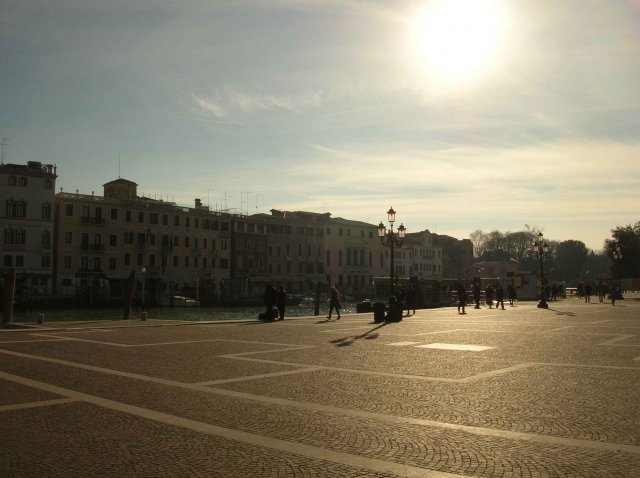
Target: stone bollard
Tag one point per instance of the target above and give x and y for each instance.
(143, 316)
(41, 319)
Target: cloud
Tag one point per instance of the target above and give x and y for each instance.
(211, 106)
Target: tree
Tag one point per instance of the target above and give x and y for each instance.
(627, 238)
(571, 257)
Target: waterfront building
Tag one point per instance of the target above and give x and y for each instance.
(295, 248)
(27, 224)
(457, 256)
(354, 256)
(424, 257)
(176, 250)
(248, 270)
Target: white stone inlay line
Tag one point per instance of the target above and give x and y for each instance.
(463, 347)
(41, 403)
(402, 344)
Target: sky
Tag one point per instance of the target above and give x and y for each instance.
(461, 114)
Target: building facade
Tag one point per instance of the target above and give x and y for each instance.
(100, 240)
(27, 224)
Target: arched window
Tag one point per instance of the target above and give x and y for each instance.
(21, 236)
(46, 239)
(9, 236)
(48, 184)
(10, 209)
(46, 210)
(21, 208)
(22, 182)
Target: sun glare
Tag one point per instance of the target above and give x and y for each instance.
(455, 38)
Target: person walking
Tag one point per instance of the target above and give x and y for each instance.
(476, 294)
(334, 301)
(281, 299)
(587, 292)
(511, 294)
(411, 300)
(488, 293)
(462, 298)
(614, 294)
(499, 296)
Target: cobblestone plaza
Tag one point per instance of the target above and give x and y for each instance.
(516, 392)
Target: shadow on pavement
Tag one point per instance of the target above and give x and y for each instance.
(368, 335)
(560, 312)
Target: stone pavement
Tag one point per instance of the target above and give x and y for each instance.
(516, 392)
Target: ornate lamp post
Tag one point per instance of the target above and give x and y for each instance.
(617, 256)
(541, 248)
(390, 239)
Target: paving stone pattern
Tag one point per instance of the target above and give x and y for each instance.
(555, 396)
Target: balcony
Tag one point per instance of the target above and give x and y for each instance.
(93, 220)
(92, 247)
(14, 247)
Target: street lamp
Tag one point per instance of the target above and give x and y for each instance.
(144, 270)
(390, 239)
(617, 256)
(541, 248)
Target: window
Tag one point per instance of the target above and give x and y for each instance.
(45, 261)
(152, 260)
(187, 221)
(114, 214)
(113, 240)
(19, 261)
(68, 237)
(175, 261)
(46, 240)
(21, 236)
(186, 241)
(46, 210)
(16, 208)
(139, 259)
(224, 263)
(140, 217)
(127, 215)
(224, 226)
(67, 262)
(153, 218)
(13, 181)
(48, 184)
(68, 210)
(186, 261)
(165, 219)
(22, 182)
(127, 259)
(112, 263)
(8, 261)
(128, 237)
(176, 241)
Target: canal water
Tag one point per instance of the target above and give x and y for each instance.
(176, 313)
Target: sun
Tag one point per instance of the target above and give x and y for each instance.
(456, 38)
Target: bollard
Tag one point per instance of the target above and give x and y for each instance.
(41, 318)
(143, 316)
